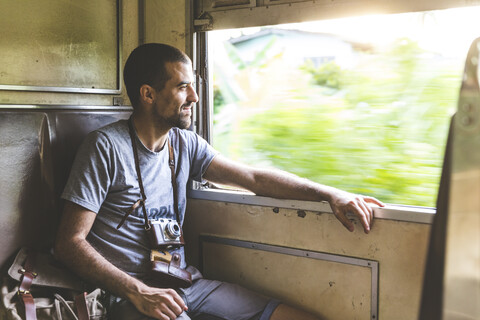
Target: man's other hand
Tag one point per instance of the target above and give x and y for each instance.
(164, 304)
(343, 202)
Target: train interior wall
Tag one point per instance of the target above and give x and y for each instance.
(306, 258)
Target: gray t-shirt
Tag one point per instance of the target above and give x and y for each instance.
(103, 180)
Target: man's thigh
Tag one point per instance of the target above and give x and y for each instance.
(226, 301)
(208, 298)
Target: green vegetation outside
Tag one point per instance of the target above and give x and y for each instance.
(379, 129)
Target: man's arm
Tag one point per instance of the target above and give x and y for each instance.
(280, 184)
(72, 248)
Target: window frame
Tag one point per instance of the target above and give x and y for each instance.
(216, 19)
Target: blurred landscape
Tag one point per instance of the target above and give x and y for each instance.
(365, 114)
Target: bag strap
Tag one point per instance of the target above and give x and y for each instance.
(28, 274)
(171, 164)
(29, 303)
(81, 304)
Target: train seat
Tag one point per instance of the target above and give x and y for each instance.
(37, 147)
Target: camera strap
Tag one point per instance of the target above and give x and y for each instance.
(141, 202)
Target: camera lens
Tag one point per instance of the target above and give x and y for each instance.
(173, 229)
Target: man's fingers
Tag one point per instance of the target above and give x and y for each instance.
(175, 303)
(344, 220)
(367, 211)
(370, 209)
(179, 301)
(168, 312)
(363, 210)
(357, 205)
(373, 200)
(362, 215)
(164, 304)
(359, 208)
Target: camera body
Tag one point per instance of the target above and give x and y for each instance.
(166, 272)
(166, 233)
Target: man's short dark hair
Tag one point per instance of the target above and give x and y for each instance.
(146, 65)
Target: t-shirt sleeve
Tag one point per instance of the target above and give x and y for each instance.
(201, 155)
(90, 177)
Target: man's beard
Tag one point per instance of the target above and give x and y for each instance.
(175, 121)
(179, 121)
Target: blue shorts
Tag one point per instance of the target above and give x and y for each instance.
(208, 297)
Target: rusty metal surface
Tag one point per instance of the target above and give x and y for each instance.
(37, 148)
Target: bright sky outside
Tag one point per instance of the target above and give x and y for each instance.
(449, 32)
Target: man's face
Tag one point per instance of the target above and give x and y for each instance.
(174, 103)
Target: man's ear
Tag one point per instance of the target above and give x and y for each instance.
(147, 94)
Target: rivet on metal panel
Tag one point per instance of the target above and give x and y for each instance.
(117, 101)
(466, 120)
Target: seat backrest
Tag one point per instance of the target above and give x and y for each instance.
(37, 148)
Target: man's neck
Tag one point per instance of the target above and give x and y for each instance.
(152, 135)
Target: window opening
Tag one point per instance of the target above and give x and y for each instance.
(362, 104)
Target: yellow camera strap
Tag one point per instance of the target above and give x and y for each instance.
(156, 255)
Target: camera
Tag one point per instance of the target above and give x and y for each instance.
(165, 233)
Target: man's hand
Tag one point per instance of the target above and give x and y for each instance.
(284, 185)
(343, 202)
(164, 304)
(73, 249)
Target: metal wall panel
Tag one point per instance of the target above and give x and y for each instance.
(399, 248)
(322, 281)
(63, 46)
(167, 22)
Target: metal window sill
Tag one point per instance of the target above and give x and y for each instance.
(389, 212)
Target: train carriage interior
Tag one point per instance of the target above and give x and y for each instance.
(61, 68)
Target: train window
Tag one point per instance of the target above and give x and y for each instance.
(362, 103)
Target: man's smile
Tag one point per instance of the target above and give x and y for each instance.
(187, 109)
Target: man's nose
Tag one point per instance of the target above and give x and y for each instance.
(192, 95)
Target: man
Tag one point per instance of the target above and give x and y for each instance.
(105, 182)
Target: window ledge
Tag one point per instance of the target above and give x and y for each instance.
(390, 212)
